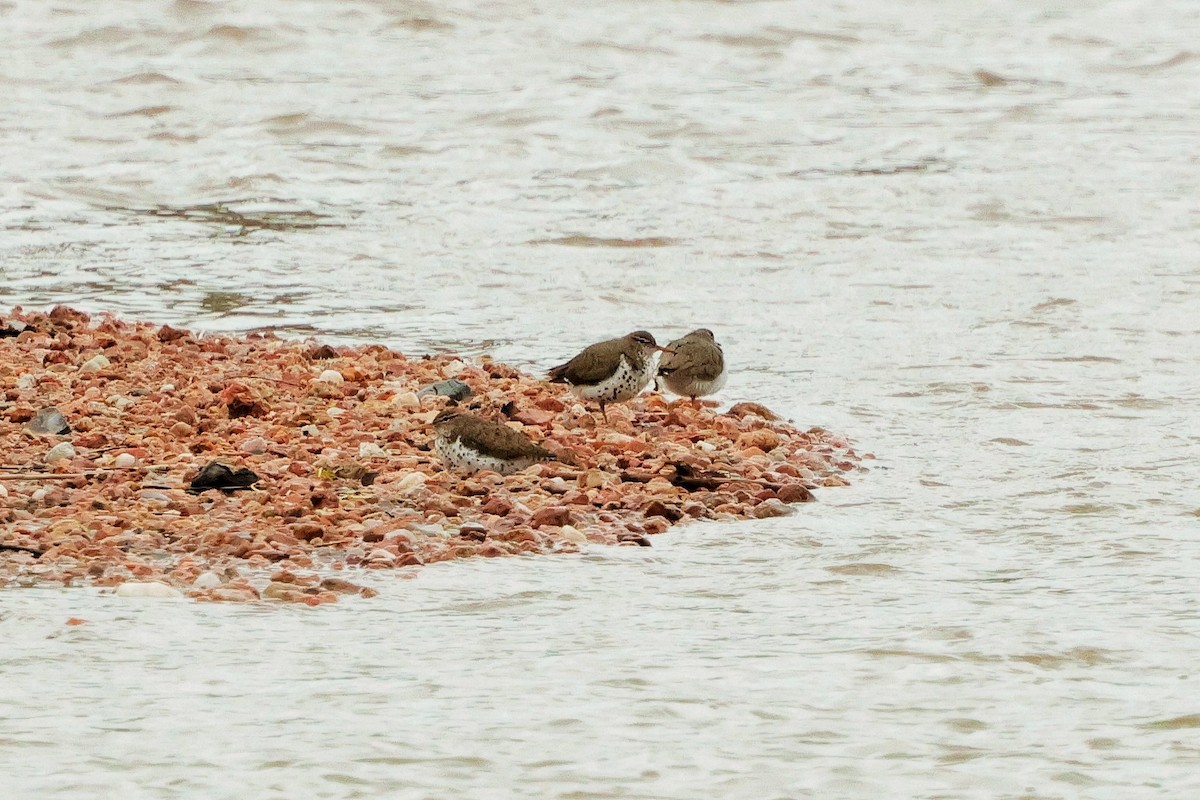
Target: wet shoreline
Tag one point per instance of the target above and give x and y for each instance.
(342, 477)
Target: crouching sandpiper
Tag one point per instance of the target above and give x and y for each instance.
(467, 443)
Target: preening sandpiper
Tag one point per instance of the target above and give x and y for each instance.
(696, 367)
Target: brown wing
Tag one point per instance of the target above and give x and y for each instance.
(499, 440)
(592, 366)
(695, 358)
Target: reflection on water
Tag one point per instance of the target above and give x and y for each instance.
(239, 223)
(959, 233)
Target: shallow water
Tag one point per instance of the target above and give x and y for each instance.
(961, 234)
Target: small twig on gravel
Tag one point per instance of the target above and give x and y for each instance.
(16, 548)
(262, 378)
(684, 478)
(63, 476)
(693, 482)
(47, 476)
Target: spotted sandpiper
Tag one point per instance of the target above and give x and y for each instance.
(467, 443)
(696, 366)
(610, 371)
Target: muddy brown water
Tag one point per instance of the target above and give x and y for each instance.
(964, 235)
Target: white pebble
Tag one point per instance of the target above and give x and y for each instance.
(95, 363)
(407, 400)
(334, 411)
(331, 376)
(411, 481)
(39, 494)
(3, 490)
(27, 381)
(557, 485)
(205, 580)
(167, 388)
(148, 589)
(63, 451)
(371, 450)
(124, 461)
(618, 438)
(381, 557)
(578, 415)
(454, 369)
(572, 534)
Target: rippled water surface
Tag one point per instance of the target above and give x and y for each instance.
(963, 234)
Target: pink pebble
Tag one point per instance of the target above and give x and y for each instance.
(254, 446)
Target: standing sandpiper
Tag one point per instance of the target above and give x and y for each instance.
(467, 443)
(696, 366)
(610, 371)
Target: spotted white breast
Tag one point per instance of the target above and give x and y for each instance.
(622, 385)
(460, 458)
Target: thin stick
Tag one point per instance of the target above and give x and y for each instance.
(16, 548)
(63, 476)
(262, 378)
(693, 482)
(46, 476)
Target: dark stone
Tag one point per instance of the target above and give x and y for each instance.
(473, 531)
(216, 475)
(322, 353)
(657, 508)
(16, 548)
(48, 421)
(168, 334)
(453, 388)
